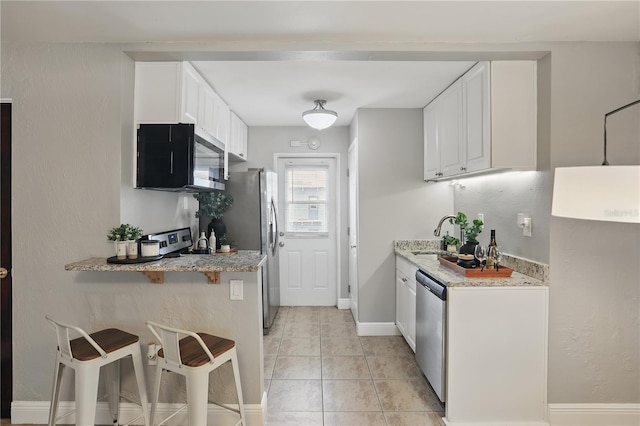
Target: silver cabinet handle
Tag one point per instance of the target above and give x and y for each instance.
(404, 280)
(281, 244)
(463, 169)
(353, 246)
(282, 234)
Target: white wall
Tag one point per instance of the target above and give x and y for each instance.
(394, 202)
(264, 142)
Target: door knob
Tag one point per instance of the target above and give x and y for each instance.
(3, 273)
(281, 244)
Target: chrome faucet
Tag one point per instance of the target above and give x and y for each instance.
(436, 232)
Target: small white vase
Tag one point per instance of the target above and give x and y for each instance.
(121, 249)
(132, 249)
(225, 248)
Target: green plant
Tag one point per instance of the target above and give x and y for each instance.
(124, 232)
(470, 231)
(224, 240)
(449, 240)
(213, 204)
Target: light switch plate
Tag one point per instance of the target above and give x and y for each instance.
(526, 230)
(521, 217)
(236, 290)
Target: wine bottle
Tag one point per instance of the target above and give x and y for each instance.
(492, 243)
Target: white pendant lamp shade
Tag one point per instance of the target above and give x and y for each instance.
(318, 117)
(606, 193)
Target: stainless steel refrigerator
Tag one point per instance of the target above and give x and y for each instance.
(252, 223)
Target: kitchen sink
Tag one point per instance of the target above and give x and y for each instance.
(430, 254)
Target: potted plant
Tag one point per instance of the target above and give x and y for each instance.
(125, 237)
(470, 232)
(225, 244)
(214, 205)
(450, 243)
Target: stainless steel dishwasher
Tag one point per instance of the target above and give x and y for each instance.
(431, 327)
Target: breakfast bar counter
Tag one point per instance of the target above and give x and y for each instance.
(209, 264)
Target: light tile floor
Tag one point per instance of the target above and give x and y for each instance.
(319, 372)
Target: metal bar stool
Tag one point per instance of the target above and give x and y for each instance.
(86, 354)
(194, 356)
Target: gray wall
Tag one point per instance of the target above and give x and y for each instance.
(68, 140)
(67, 136)
(594, 331)
(394, 202)
(264, 142)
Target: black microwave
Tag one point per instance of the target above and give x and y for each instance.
(179, 157)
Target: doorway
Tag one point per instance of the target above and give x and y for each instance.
(308, 188)
(6, 357)
(353, 228)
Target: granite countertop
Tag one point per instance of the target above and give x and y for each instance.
(242, 261)
(431, 265)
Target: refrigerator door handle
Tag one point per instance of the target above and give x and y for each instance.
(275, 228)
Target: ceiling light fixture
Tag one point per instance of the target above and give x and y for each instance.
(318, 117)
(606, 193)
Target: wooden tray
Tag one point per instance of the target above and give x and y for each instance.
(140, 259)
(450, 262)
(233, 251)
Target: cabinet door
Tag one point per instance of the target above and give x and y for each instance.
(431, 151)
(449, 133)
(238, 137)
(157, 92)
(191, 84)
(222, 119)
(207, 109)
(400, 302)
(477, 120)
(410, 327)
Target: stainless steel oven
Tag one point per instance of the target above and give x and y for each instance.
(431, 329)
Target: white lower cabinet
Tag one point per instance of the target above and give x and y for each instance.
(497, 355)
(406, 300)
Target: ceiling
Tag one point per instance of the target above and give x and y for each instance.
(275, 88)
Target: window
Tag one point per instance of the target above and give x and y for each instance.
(306, 194)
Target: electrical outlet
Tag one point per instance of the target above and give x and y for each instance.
(526, 229)
(152, 353)
(236, 289)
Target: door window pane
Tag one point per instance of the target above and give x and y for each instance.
(306, 194)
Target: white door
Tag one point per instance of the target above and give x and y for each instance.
(309, 252)
(353, 228)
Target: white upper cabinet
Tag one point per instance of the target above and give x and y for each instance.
(443, 133)
(174, 92)
(166, 92)
(238, 140)
(221, 119)
(485, 121)
(476, 119)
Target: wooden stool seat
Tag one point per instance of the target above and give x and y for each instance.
(192, 353)
(110, 340)
(194, 356)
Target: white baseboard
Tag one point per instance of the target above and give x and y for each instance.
(344, 303)
(377, 329)
(510, 423)
(594, 414)
(37, 412)
(448, 423)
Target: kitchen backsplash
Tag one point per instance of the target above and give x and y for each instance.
(524, 266)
